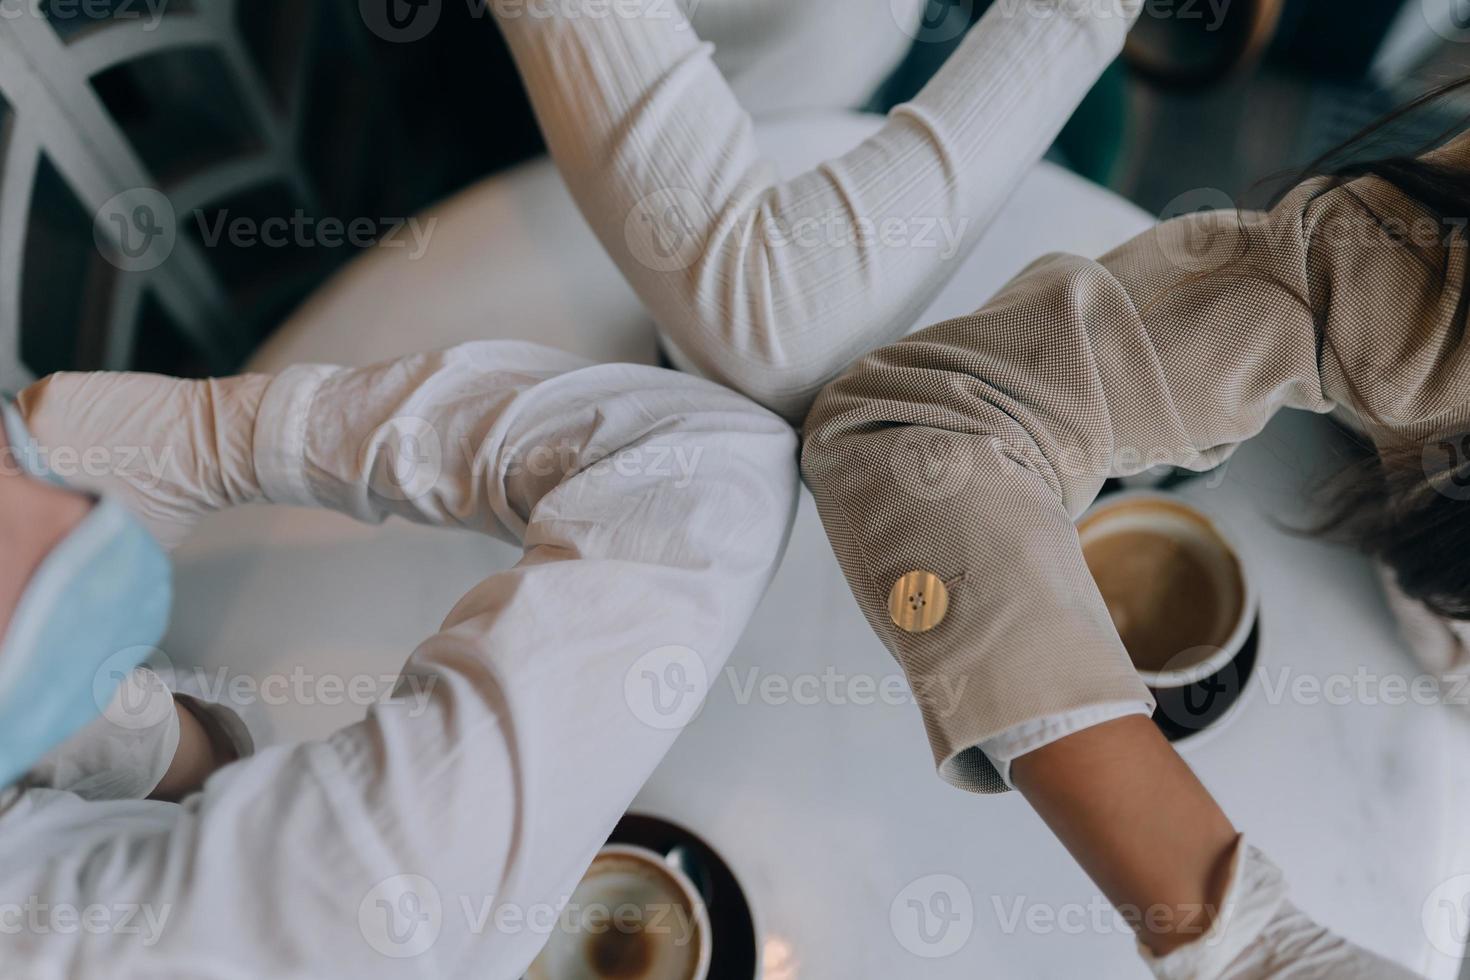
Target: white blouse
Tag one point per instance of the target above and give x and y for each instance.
(771, 286)
(440, 836)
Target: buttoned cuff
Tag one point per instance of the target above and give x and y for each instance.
(280, 434)
(971, 703)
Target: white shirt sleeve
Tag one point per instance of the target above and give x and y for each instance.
(774, 286)
(124, 753)
(1258, 934)
(1442, 646)
(439, 836)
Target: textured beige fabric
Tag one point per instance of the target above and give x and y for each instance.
(967, 449)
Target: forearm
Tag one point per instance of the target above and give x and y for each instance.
(1204, 904)
(201, 752)
(968, 449)
(773, 286)
(1138, 822)
(422, 437)
(919, 462)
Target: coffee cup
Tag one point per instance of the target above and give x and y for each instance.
(1181, 599)
(634, 916)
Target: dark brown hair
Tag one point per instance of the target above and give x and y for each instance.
(1407, 503)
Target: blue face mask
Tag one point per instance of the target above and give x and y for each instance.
(96, 608)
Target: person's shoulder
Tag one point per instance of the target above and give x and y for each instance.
(1387, 276)
(1454, 152)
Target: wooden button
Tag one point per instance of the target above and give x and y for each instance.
(918, 602)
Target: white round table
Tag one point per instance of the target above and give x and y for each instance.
(808, 769)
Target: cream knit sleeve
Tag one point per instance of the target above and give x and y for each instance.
(773, 286)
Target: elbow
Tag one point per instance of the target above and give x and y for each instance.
(783, 388)
(736, 496)
(771, 464)
(784, 378)
(759, 312)
(738, 451)
(837, 438)
(928, 435)
(750, 355)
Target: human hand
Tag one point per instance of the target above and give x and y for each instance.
(1259, 935)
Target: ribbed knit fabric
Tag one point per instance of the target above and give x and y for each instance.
(773, 286)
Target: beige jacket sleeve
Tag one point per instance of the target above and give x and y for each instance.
(967, 449)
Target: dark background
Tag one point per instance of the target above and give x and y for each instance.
(387, 129)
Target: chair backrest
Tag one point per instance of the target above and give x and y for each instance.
(175, 175)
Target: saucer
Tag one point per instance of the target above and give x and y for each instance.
(735, 954)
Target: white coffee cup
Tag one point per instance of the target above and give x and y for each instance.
(633, 917)
(1212, 553)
